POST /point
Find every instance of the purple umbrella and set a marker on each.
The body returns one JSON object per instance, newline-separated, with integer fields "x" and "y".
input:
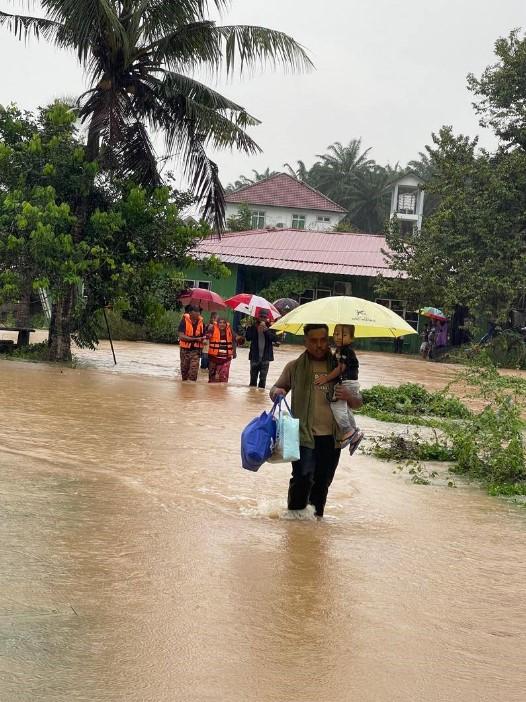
{"x": 286, "y": 304}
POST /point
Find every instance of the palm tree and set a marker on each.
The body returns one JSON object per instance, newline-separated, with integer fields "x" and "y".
{"x": 300, "y": 173}
{"x": 243, "y": 180}
{"x": 140, "y": 57}
{"x": 371, "y": 197}
{"x": 335, "y": 174}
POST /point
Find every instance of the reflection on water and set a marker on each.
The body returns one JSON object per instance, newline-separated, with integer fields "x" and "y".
{"x": 139, "y": 562}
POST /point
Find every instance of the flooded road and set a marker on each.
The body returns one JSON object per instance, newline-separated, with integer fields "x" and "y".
{"x": 140, "y": 563}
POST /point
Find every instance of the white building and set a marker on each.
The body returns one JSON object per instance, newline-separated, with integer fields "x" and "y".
{"x": 407, "y": 202}
{"x": 282, "y": 202}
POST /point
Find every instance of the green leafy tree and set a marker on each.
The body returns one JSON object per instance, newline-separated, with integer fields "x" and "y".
{"x": 131, "y": 234}
{"x": 289, "y": 285}
{"x": 472, "y": 249}
{"x": 242, "y": 221}
{"x": 141, "y": 57}
{"x": 501, "y": 91}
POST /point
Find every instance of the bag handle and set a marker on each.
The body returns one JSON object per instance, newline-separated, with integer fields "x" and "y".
{"x": 281, "y": 399}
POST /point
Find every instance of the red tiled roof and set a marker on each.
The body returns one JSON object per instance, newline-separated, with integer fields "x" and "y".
{"x": 301, "y": 250}
{"x": 282, "y": 190}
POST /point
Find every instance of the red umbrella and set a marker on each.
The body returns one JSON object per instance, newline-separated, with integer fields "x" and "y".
{"x": 253, "y": 305}
{"x": 205, "y": 299}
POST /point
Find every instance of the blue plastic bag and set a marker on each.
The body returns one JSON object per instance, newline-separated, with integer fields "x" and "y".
{"x": 287, "y": 446}
{"x": 258, "y": 439}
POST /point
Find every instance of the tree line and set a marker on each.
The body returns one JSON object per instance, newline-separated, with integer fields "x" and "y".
{"x": 471, "y": 250}
{"x": 83, "y": 215}
{"x": 349, "y": 176}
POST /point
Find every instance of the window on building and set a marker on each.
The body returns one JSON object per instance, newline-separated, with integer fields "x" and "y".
{"x": 258, "y": 219}
{"x": 203, "y": 284}
{"x": 342, "y": 287}
{"x": 314, "y": 294}
{"x": 322, "y": 292}
{"x": 400, "y": 307}
{"x": 406, "y": 200}
{"x": 298, "y": 221}
{"x": 407, "y": 228}
{"x": 307, "y": 296}
{"x": 325, "y": 220}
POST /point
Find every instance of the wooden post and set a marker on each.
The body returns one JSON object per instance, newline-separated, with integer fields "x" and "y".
{"x": 109, "y": 335}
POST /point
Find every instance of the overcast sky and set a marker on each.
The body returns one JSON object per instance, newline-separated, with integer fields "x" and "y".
{"x": 388, "y": 71}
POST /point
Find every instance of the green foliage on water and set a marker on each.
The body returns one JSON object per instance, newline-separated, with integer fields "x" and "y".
{"x": 411, "y": 401}
{"x": 487, "y": 446}
{"x": 32, "y": 352}
{"x": 506, "y": 350}
{"x": 405, "y": 448}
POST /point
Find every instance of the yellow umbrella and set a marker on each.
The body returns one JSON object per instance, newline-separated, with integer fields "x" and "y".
{"x": 369, "y": 318}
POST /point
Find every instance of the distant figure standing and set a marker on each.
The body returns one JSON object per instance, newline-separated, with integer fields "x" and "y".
{"x": 221, "y": 351}
{"x": 431, "y": 341}
{"x": 424, "y": 346}
{"x": 208, "y": 330}
{"x": 398, "y": 344}
{"x": 441, "y": 337}
{"x": 261, "y": 349}
{"x": 191, "y": 340}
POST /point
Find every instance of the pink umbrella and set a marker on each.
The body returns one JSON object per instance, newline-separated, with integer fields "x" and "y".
{"x": 205, "y": 299}
{"x": 246, "y": 303}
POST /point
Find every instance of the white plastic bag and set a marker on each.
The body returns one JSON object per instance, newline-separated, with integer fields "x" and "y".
{"x": 287, "y": 446}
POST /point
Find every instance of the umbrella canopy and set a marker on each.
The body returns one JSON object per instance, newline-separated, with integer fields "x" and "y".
{"x": 205, "y": 299}
{"x": 246, "y": 303}
{"x": 433, "y": 313}
{"x": 285, "y": 304}
{"x": 369, "y": 318}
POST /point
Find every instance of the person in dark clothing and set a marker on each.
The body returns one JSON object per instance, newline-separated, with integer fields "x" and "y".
{"x": 261, "y": 353}
{"x": 398, "y": 344}
{"x": 320, "y": 435}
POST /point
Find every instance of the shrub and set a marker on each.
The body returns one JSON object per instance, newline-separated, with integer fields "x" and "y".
{"x": 163, "y": 328}
{"x": 411, "y": 399}
{"x": 121, "y": 329}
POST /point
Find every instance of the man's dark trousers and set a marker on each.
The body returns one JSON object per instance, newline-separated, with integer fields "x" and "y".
{"x": 312, "y": 475}
{"x": 259, "y": 368}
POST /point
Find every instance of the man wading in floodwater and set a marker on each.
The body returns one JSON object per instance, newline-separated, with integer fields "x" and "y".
{"x": 319, "y": 433}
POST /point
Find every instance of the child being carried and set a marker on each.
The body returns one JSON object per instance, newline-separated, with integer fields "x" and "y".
{"x": 346, "y": 372}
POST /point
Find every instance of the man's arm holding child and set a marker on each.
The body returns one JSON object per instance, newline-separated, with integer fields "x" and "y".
{"x": 333, "y": 375}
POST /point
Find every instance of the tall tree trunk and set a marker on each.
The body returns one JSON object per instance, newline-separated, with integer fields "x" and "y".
{"x": 23, "y": 312}
{"x": 61, "y": 323}
{"x": 60, "y": 326}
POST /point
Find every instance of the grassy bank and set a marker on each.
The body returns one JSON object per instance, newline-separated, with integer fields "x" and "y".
{"x": 486, "y": 445}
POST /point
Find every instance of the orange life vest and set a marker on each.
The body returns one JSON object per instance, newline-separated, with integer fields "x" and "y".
{"x": 223, "y": 348}
{"x": 189, "y": 331}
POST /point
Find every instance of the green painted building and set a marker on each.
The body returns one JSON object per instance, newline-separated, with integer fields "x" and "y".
{"x": 337, "y": 263}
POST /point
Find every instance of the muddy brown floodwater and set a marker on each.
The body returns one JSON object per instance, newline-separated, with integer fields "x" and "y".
{"x": 139, "y": 562}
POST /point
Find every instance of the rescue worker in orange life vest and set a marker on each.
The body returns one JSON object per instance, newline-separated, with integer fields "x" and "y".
{"x": 222, "y": 350}
{"x": 191, "y": 340}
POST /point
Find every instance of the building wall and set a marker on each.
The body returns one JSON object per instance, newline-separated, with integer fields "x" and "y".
{"x": 226, "y": 287}
{"x": 284, "y": 216}
{"x": 253, "y": 279}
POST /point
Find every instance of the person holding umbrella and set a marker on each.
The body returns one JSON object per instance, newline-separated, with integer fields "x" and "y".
{"x": 261, "y": 353}
{"x": 191, "y": 340}
{"x": 320, "y": 435}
